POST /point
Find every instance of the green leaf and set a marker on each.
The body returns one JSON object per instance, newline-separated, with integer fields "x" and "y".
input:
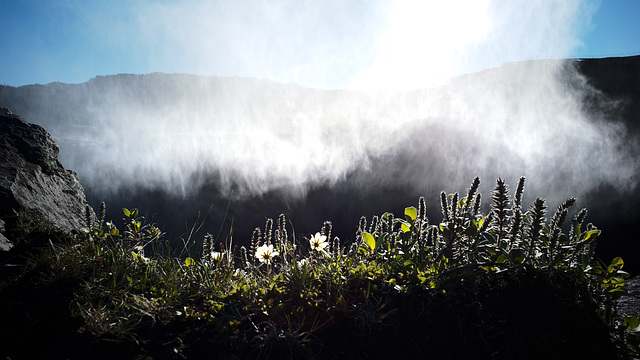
{"x": 369, "y": 240}
{"x": 563, "y": 239}
{"x": 126, "y": 212}
{"x": 471, "y": 231}
{"x": 544, "y": 238}
{"x": 623, "y": 274}
{"x": 618, "y": 262}
{"x": 489, "y": 237}
{"x": 423, "y": 279}
{"x": 589, "y": 234}
{"x": 620, "y": 290}
{"x": 576, "y": 228}
{"x": 584, "y": 260}
{"x": 408, "y": 262}
{"x": 189, "y": 261}
{"x": 596, "y": 269}
{"x": 517, "y": 256}
{"x": 632, "y": 322}
{"x": 462, "y": 202}
{"x": 404, "y": 224}
{"x": 411, "y": 213}
{"x": 381, "y": 239}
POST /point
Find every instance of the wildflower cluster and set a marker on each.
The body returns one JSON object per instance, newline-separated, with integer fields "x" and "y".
{"x": 281, "y": 290}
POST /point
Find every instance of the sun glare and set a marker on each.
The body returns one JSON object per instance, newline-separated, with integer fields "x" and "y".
{"x": 425, "y": 44}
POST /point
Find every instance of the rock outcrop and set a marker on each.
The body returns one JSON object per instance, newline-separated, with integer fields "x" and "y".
{"x": 629, "y": 304}
{"x": 32, "y": 179}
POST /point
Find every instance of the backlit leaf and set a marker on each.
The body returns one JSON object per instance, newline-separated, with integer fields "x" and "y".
{"x": 618, "y": 262}
{"x": 591, "y": 233}
{"x": 369, "y": 240}
{"x": 411, "y": 213}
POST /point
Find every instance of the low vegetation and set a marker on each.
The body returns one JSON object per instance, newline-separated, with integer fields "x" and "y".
{"x": 499, "y": 285}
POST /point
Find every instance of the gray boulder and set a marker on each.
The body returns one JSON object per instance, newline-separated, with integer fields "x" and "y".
{"x": 629, "y": 304}
{"x": 5, "y": 244}
{"x": 32, "y": 179}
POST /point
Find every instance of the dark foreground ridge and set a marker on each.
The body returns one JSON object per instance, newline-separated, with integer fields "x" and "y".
{"x": 524, "y": 315}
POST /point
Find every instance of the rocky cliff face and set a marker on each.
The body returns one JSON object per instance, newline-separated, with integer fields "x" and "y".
{"x": 32, "y": 179}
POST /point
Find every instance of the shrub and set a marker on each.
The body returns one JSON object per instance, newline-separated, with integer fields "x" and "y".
{"x": 400, "y": 279}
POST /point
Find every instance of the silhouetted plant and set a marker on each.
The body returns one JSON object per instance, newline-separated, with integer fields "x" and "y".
{"x": 278, "y": 294}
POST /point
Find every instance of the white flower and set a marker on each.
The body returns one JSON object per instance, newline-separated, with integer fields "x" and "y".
{"x": 239, "y": 273}
{"x": 318, "y": 242}
{"x": 302, "y": 263}
{"x": 265, "y": 253}
{"x": 216, "y": 255}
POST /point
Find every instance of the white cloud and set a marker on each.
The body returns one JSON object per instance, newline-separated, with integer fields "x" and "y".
{"x": 428, "y": 42}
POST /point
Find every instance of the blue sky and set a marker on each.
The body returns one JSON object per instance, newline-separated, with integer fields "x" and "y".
{"x": 359, "y": 44}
